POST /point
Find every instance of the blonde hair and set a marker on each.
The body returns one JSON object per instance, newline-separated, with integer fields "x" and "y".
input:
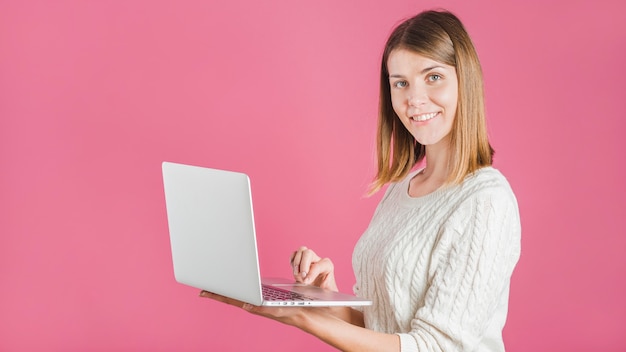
{"x": 440, "y": 36}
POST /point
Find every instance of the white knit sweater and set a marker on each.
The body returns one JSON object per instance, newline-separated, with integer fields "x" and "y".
{"x": 438, "y": 267}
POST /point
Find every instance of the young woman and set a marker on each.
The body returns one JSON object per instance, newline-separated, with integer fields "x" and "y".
{"x": 437, "y": 257}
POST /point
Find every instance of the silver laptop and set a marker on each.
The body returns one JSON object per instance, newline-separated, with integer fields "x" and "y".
{"x": 213, "y": 240}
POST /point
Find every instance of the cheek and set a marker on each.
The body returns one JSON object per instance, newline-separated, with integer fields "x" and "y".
{"x": 398, "y": 104}
{"x": 446, "y": 97}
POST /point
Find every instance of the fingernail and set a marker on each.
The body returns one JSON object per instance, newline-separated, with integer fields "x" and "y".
{"x": 303, "y": 274}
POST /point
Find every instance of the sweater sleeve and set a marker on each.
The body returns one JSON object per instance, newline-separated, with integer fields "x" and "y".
{"x": 478, "y": 247}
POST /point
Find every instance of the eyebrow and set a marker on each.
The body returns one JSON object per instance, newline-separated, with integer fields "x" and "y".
{"x": 421, "y": 72}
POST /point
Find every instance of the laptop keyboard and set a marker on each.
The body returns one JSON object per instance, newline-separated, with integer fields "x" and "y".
{"x": 275, "y": 294}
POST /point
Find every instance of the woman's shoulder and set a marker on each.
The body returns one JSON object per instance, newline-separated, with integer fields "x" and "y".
{"x": 487, "y": 181}
{"x": 487, "y": 175}
{"x": 487, "y": 189}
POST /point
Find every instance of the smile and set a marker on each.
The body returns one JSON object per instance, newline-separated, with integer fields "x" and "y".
{"x": 424, "y": 117}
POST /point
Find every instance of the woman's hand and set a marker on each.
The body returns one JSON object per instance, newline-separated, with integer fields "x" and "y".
{"x": 341, "y": 331}
{"x": 341, "y": 327}
{"x": 310, "y": 269}
{"x": 286, "y": 315}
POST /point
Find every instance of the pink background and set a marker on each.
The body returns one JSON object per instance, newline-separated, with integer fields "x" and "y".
{"x": 95, "y": 94}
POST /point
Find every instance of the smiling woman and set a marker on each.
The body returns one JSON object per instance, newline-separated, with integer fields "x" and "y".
{"x": 438, "y": 49}
{"x": 94, "y": 95}
{"x": 424, "y": 95}
{"x": 438, "y": 255}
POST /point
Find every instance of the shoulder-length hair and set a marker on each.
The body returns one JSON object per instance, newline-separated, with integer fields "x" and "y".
{"x": 439, "y": 36}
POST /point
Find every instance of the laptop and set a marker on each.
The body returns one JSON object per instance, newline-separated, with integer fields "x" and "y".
{"x": 213, "y": 241}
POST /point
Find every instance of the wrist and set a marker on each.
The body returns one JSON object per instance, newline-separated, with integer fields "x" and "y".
{"x": 307, "y": 318}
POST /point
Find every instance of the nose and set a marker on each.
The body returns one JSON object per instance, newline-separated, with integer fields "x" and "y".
{"x": 416, "y": 97}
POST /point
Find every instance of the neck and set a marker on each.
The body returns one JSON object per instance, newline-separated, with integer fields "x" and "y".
{"x": 434, "y": 175}
{"x": 437, "y": 162}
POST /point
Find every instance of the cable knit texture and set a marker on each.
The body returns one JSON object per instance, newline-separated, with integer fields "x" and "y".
{"x": 438, "y": 267}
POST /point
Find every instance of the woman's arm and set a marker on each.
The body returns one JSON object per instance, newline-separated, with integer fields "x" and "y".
{"x": 341, "y": 334}
{"x": 349, "y": 315}
{"x": 331, "y": 325}
{"x": 340, "y": 327}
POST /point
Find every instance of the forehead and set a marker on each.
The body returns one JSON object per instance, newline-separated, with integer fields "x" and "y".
{"x": 403, "y": 61}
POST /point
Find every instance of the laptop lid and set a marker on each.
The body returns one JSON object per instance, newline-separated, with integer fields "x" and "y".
{"x": 212, "y": 231}
{"x": 213, "y": 239}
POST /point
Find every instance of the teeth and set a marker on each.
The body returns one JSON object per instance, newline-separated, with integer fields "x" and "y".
{"x": 424, "y": 117}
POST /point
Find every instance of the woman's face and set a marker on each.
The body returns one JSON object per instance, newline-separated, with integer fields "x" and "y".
{"x": 424, "y": 95}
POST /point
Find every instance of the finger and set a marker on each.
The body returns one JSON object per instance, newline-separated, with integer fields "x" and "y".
{"x": 295, "y": 261}
{"x": 248, "y": 307}
{"x": 319, "y": 272}
{"x": 223, "y": 299}
{"x": 308, "y": 258}
{"x": 292, "y": 257}
{"x": 296, "y": 254}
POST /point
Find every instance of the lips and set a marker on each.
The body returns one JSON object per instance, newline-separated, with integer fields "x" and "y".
{"x": 424, "y": 117}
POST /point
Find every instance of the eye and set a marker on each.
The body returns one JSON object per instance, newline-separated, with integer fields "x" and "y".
{"x": 434, "y": 77}
{"x": 400, "y": 84}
